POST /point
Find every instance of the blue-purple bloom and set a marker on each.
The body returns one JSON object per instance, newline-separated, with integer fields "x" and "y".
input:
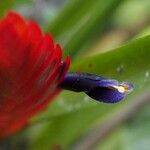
{"x": 98, "y": 88}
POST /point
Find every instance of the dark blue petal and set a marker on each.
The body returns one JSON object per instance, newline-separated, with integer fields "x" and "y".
{"x": 110, "y": 91}
{"x": 106, "y": 95}
{"x": 98, "y": 88}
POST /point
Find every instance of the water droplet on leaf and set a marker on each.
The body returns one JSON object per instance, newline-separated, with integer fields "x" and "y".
{"x": 147, "y": 74}
{"x": 120, "y": 69}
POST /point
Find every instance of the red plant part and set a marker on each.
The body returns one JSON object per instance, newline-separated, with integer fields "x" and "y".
{"x": 31, "y": 68}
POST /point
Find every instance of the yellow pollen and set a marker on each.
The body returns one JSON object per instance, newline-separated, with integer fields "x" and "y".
{"x": 121, "y": 88}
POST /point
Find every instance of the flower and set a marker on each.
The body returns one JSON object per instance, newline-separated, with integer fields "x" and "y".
{"x": 31, "y": 68}
{"x": 98, "y": 88}
{"x": 32, "y": 73}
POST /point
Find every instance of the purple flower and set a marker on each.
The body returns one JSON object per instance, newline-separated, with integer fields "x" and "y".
{"x": 98, "y": 88}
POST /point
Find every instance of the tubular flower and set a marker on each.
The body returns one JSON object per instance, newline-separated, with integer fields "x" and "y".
{"x": 98, "y": 88}
{"x": 31, "y": 68}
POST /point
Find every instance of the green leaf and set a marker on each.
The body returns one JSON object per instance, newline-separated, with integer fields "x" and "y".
{"x": 133, "y": 135}
{"x": 64, "y": 129}
{"x": 8, "y": 4}
{"x": 79, "y": 21}
{"x": 4, "y": 5}
{"x": 120, "y": 63}
{"x": 145, "y": 32}
{"x": 136, "y": 133}
{"x": 130, "y": 62}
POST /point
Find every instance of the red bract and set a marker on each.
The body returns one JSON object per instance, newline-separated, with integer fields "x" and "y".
{"x": 31, "y": 68}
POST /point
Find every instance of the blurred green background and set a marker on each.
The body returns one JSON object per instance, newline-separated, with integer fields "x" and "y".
{"x": 109, "y": 38}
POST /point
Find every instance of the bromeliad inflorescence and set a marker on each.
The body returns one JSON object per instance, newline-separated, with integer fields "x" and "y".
{"x": 32, "y": 73}
{"x": 31, "y": 69}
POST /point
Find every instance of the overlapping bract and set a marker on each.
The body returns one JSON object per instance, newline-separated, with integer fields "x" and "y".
{"x": 31, "y": 68}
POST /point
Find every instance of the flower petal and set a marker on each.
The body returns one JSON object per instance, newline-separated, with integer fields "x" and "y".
{"x": 98, "y": 88}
